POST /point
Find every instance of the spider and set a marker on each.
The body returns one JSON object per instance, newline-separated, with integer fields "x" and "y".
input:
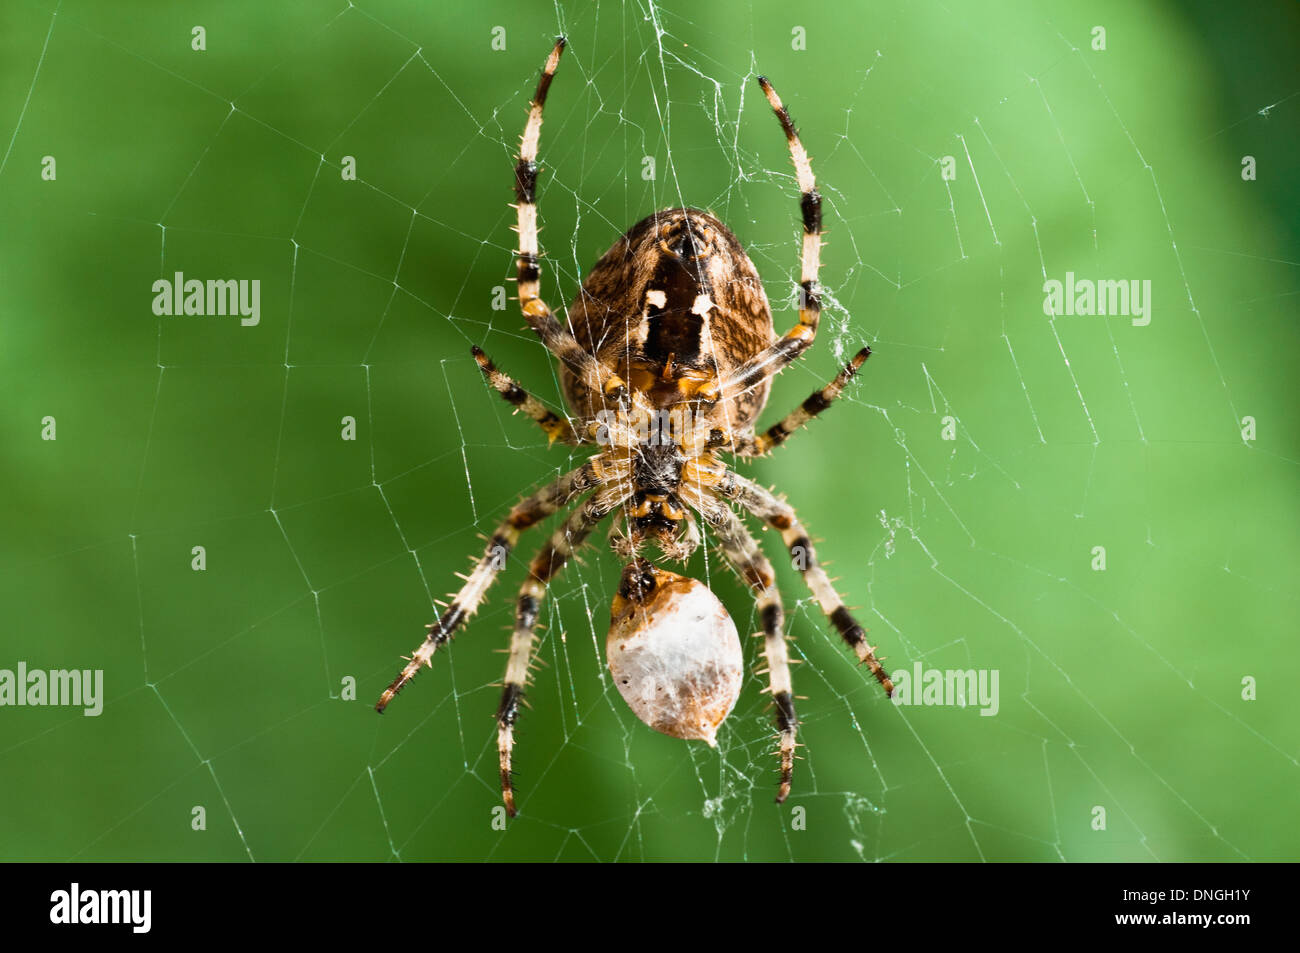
{"x": 666, "y": 361}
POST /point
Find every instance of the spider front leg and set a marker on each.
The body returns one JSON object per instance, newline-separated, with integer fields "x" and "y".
{"x": 545, "y": 566}
{"x": 743, "y": 553}
{"x": 527, "y": 513}
{"x": 556, "y": 427}
{"x": 776, "y": 357}
{"x": 818, "y": 400}
{"x": 557, "y": 339}
{"x": 780, "y": 515}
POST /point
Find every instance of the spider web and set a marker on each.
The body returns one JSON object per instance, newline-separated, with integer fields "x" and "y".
{"x": 227, "y": 688}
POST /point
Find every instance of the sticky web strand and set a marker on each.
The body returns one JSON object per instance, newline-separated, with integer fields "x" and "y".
{"x": 741, "y": 776}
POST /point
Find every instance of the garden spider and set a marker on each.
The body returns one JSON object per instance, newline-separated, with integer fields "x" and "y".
{"x": 666, "y": 361}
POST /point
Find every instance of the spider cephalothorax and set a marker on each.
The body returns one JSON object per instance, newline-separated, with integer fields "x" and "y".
{"x": 667, "y": 358}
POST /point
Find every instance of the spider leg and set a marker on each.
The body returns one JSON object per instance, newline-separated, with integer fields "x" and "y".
{"x": 780, "y": 515}
{"x": 557, "y": 339}
{"x": 545, "y": 566}
{"x": 526, "y": 513}
{"x": 818, "y": 400}
{"x": 742, "y": 551}
{"x": 556, "y": 427}
{"x": 774, "y": 358}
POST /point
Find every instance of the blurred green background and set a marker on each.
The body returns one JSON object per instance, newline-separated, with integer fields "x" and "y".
{"x": 1120, "y": 689}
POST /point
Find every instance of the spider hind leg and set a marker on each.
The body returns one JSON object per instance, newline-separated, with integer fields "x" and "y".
{"x": 777, "y": 356}
{"x": 555, "y": 336}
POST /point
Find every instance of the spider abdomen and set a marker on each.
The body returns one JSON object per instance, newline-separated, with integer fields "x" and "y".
{"x": 673, "y": 306}
{"x": 674, "y": 653}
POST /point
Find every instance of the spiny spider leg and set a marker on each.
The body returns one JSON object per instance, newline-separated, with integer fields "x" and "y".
{"x": 799, "y": 338}
{"x": 818, "y": 400}
{"x": 545, "y": 566}
{"x": 558, "y": 340}
{"x": 556, "y": 427}
{"x": 526, "y": 513}
{"x": 742, "y": 551}
{"x": 780, "y": 515}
